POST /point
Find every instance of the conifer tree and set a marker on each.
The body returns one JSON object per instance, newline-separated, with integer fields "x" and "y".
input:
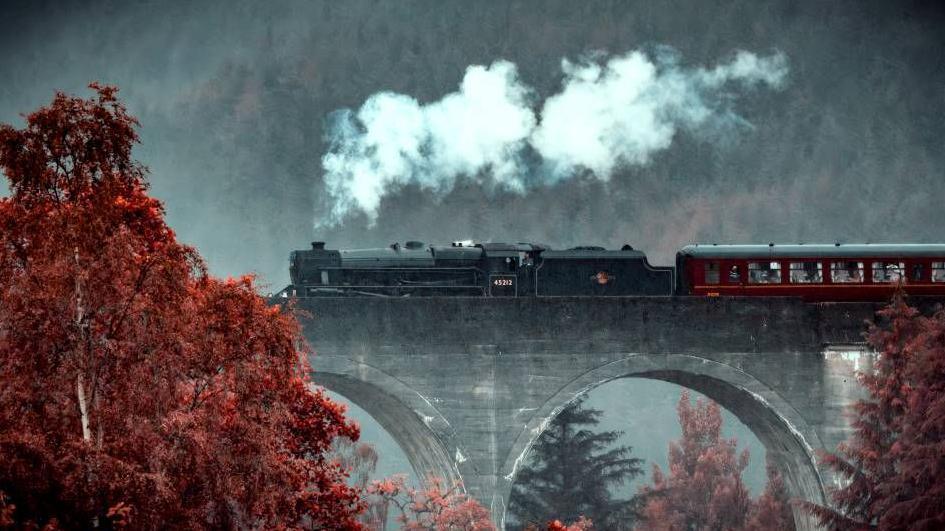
{"x": 894, "y": 461}
{"x": 572, "y": 471}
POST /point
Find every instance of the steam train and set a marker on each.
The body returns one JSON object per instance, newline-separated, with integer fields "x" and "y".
{"x": 849, "y": 272}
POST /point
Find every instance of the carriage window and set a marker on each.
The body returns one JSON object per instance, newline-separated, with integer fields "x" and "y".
{"x": 918, "y": 273}
{"x": 807, "y": 272}
{"x": 888, "y": 271}
{"x": 711, "y": 272}
{"x": 938, "y": 271}
{"x": 734, "y": 275}
{"x": 764, "y": 273}
{"x": 846, "y": 272}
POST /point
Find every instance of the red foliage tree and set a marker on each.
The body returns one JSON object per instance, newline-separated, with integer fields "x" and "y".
{"x": 581, "y": 524}
{"x": 360, "y": 460}
{"x": 435, "y": 507}
{"x": 771, "y": 510}
{"x": 704, "y": 489}
{"x": 134, "y": 388}
{"x": 895, "y": 461}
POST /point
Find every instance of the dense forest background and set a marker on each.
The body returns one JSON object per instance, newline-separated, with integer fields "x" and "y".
{"x": 233, "y": 98}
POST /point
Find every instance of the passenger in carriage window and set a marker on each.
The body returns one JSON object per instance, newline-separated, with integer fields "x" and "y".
{"x": 733, "y": 275}
{"x": 938, "y": 271}
{"x": 887, "y": 271}
{"x": 764, "y": 273}
{"x": 855, "y": 272}
{"x": 806, "y": 272}
{"x": 846, "y": 272}
{"x": 894, "y": 272}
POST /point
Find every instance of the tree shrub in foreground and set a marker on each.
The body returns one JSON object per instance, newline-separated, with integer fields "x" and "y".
{"x": 135, "y": 389}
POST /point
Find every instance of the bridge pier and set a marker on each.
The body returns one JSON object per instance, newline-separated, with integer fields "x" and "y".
{"x": 466, "y": 386}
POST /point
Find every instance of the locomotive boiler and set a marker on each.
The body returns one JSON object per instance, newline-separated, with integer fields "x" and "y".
{"x": 475, "y": 269}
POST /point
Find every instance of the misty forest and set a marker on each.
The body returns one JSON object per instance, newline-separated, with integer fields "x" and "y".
{"x": 494, "y": 314}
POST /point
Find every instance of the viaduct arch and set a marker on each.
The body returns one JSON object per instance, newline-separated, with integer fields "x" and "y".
{"x": 402, "y": 412}
{"x": 465, "y": 386}
{"x": 787, "y": 437}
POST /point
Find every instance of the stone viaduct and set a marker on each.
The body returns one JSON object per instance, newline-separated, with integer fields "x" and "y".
{"x": 466, "y": 385}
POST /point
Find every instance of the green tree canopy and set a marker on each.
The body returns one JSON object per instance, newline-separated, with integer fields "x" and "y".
{"x": 572, "y": 471}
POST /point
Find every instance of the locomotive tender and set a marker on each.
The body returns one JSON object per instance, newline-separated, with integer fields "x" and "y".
{"x": 851, "y": 272}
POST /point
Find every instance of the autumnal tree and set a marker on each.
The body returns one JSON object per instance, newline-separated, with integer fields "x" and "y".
{"x": 582, "y": 524}
{"x": 360, "y": 460}
{"x": 6, "y": 511}
{"x": 772, "y": 510}
{"x": 436, "y": 506}
{"x": 704, "y": 488}
{"x": 895, "y": 460}
{"x": 135, "y": 389}
{"x": 571, "y": 471}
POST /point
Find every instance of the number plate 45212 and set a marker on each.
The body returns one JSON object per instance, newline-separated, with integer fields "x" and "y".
{"x": 502, "y": 286}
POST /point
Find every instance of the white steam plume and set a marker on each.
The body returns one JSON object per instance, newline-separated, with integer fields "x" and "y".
{"x": 606, "y": 115}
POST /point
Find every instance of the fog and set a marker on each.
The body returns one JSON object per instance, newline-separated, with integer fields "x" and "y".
{"x": 828, "y": 126}
{"x": 234, "y": 99}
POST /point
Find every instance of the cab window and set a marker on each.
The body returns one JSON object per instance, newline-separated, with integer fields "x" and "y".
{"x": 764, "y": 273}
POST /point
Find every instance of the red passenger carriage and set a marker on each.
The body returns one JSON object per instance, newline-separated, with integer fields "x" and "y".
{"x": 850, "y": 272}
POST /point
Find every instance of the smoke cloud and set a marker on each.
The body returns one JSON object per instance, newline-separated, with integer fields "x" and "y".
{"x": 609, "y": 113}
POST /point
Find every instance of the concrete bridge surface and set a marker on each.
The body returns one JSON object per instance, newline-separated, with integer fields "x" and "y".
{"x": 466, "y": 385}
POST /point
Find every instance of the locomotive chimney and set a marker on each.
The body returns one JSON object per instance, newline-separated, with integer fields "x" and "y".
{"x": 318, "y": 246}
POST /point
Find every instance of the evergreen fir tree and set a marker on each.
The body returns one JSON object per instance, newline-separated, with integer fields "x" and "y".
{"x": 572, "y": 471}
{"x": 894, "y": 460}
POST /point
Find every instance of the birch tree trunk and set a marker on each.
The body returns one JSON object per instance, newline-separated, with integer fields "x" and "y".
{"x": 80, "y": 380}
{"x": 83, "y": 407}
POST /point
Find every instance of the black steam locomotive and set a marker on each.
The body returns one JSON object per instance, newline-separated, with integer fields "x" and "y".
{"x": 474, "y": 269}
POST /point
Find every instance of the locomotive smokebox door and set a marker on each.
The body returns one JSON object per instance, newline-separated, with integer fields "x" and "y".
{"x": 502, "y": 286}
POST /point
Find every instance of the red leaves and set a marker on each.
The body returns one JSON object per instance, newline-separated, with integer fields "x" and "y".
{"x": 582, "y": 524}
{"x": 771, "y": 510}
{"x": 6, "y": 511}
{"x": 435, "y": 507}
{"x": 895, "y": 461}
{"x": 194, "y": 391}
{"x": 704, "y": 488}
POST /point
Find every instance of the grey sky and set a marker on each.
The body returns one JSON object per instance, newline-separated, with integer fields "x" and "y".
{"x": 233, "y": 96}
